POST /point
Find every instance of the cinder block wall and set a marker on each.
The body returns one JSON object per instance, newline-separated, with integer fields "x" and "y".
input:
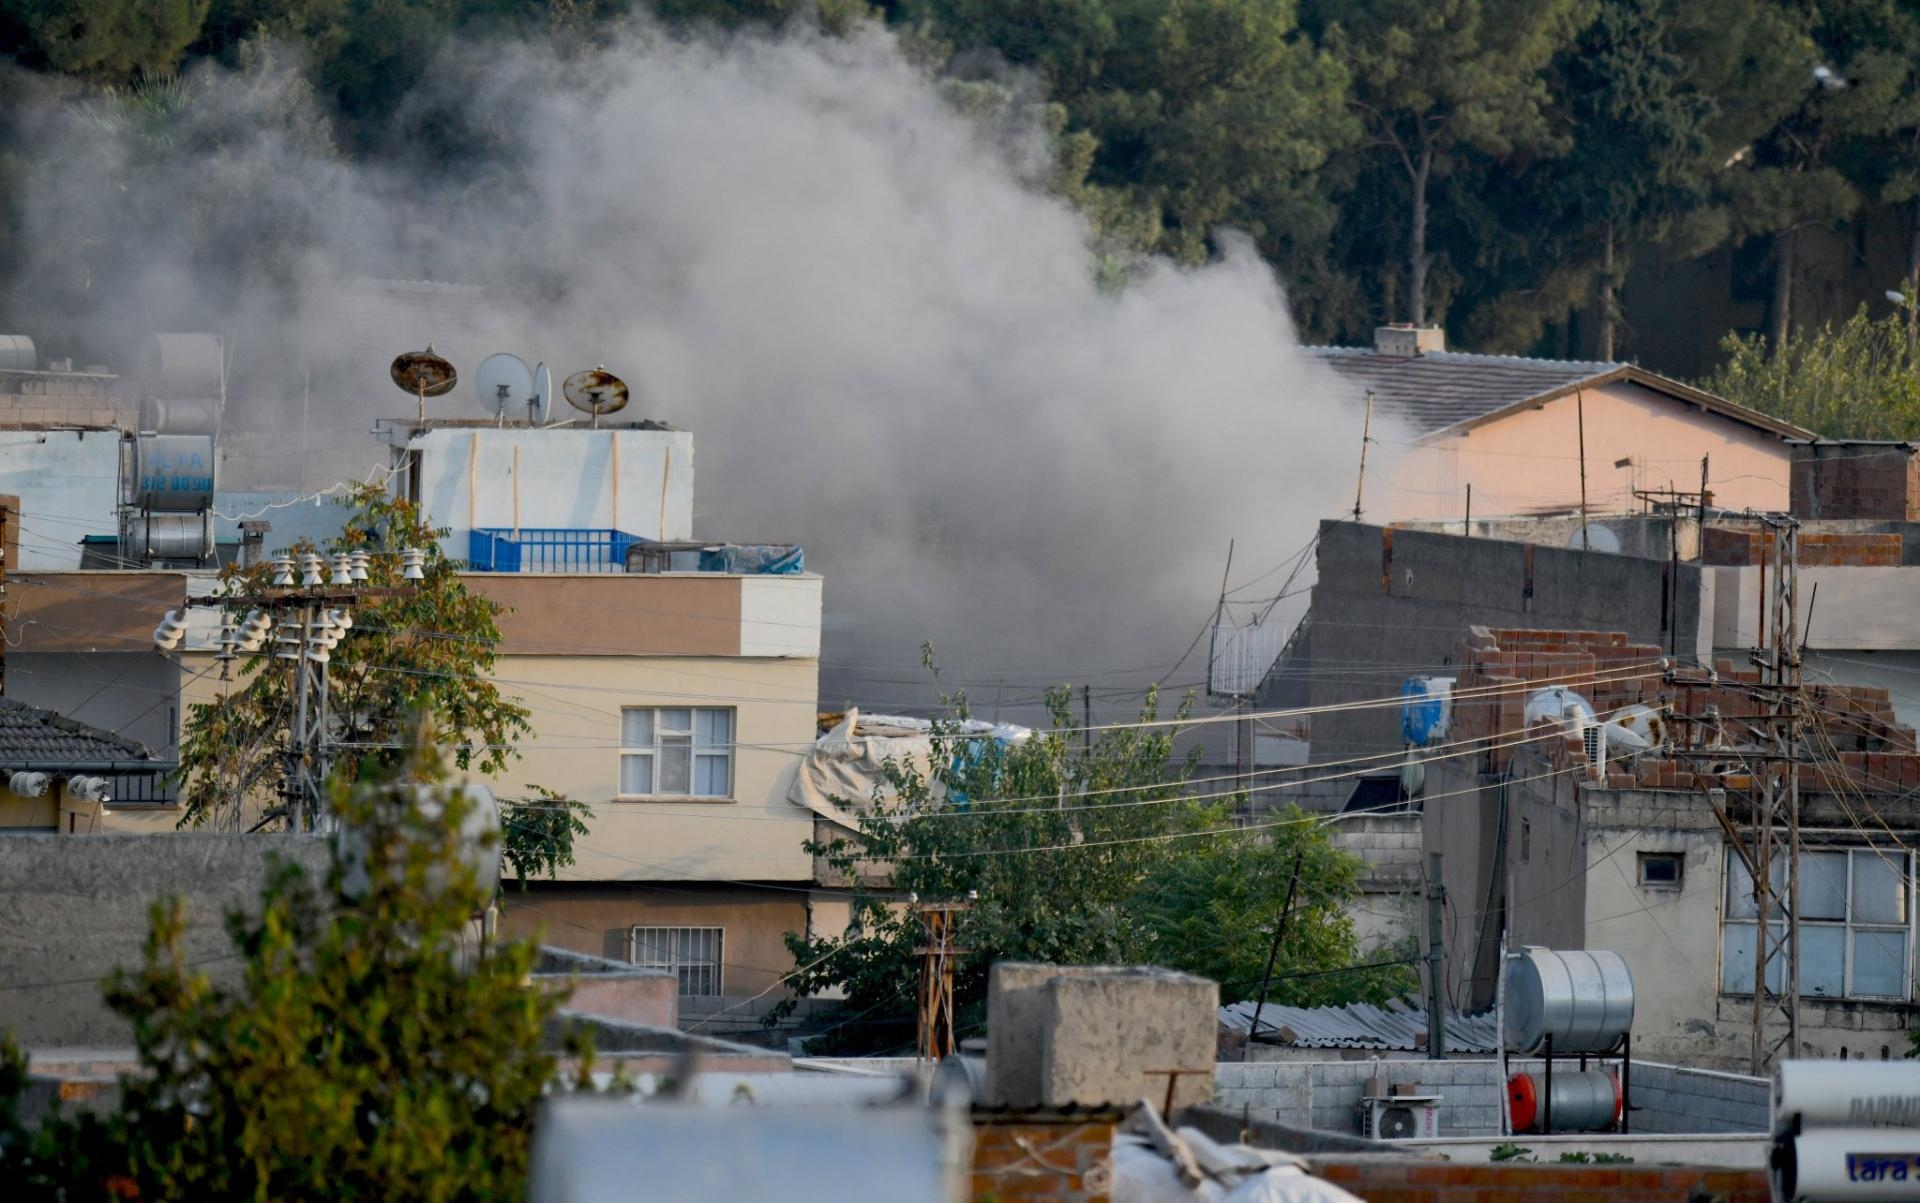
{"x": 1323, "y": 1095}
{"x": 74, "y": 908}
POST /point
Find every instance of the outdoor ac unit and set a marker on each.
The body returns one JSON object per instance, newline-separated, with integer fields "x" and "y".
{"x": 1408, "y": 1117}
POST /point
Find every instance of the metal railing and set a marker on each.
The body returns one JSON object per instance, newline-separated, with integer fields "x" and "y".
{"x": 549, "y": 549}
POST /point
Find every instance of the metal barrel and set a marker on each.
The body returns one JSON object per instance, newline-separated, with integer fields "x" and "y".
{"x": 1584, "y": 1000}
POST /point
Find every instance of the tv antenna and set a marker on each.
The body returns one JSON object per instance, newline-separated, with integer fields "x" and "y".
{"x": 540, "y": 403}
{"x": 424, "y": 374}
{"x": 504, "y": 382}
{"x": 596, "y": 391}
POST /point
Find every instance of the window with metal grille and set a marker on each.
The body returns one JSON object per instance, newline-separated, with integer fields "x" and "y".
{"x": 1855, "y": 925}
{"x": 691, "y": 953}
{"x": 676, "y": 751}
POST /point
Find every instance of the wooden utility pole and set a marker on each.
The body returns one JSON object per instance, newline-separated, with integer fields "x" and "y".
{"x": 937, "y": 955}
{"x": 1366, "y": 436}
{"x": 1273, "y": 951}
{"x": 1436, "y": 961}
{"x": 1580, "y": 420}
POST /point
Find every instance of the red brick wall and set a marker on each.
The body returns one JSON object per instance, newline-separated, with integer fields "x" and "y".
{"x": 1386, "y": 1179}
{"x": 1733, "y": 546}
{"x": 1855, "y": 483}
{"x": 1036, "y": 1161}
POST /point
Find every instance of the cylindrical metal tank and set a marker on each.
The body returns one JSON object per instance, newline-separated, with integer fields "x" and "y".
{"x": 178, "y": 366}
{"x": 1583, "y": 999}
{"x": 1808, "y": 1093}
{"x": 1584, "y": 1100}
{"x": 17, "y": 354}
{"x": 198, "y": 415}
{"x": 1834, "y": 1164}
{"x": 172, "y": 472}
{"x": 169, "y": 537}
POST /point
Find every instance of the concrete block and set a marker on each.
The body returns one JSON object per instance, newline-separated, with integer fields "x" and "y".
{"x": 1094, "y": 1035}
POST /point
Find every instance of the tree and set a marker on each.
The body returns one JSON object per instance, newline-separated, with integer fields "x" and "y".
{"x": 109, "y": 41}
{"x": 363, "y": 1053}
{"x": 426, "y": 649}
{"x": 1859, "y": 380}
{"x": 1433, "y": 77}
{"x": 1072, "y": 853}
{"x": 1203, "y": 113}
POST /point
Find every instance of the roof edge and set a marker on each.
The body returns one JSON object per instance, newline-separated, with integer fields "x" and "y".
{"x": 1634, "y": 374}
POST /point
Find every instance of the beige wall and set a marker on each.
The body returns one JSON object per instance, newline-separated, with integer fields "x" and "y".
{"x": 1529, "y": 462}
{"x": 597, "y": 919}
{"x": 756, "y": 835}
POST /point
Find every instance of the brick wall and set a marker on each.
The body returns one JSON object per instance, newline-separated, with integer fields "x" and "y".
{"x": 1741, "y": 546}
{"x": 1843, "y": 481}
{"x": 1042, "y": 1161}
{"x": 92, "y": 409}
{"x": 1387, "y": 1179}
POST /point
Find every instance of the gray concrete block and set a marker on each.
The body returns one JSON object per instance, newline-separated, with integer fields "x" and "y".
{"x": 1091, "y": 1035}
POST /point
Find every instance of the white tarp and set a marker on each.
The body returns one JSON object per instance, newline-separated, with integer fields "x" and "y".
{"x": 1154, "y": 1164}
{"x": 845, "y": 770}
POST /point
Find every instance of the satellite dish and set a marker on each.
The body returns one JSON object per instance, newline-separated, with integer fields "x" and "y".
{"x": 423, "y": 374}
{"x": 596, "y": 391}
{"x": 1599, "y": 538}
{"x": 503, "y": 383}
{"x": 540, "y": 404}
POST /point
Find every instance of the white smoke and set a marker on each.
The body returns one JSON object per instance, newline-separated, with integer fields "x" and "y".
{"x": 887, "y": 339}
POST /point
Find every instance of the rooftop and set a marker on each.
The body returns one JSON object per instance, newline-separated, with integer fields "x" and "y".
{"x": 31, "y": 738}
{"x": 1443, "y": 390}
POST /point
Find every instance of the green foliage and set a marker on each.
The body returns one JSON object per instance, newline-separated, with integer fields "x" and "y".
{"x": 363, "y": 1053}
{"x": 1860, "y": 379}
{"x": 1072, "y": 855}
{"x": 1510, "y": 1152}
{"x": 428, "y": 648}
{"x": 112, "y": 41}
{"x": 536, "y": 836}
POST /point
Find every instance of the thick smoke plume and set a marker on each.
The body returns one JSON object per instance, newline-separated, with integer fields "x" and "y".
{"x": 886, "y": 337}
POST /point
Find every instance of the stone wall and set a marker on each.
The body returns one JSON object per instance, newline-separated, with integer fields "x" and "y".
{"x": 74, "y": 908}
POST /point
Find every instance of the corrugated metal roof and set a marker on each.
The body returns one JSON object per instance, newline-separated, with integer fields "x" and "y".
{"x": 1397, "y": 1027}
{"x": 1444, "y": 388}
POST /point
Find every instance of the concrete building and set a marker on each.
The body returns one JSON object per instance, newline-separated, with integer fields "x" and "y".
{"x": 1645, "y": 857}
{"x": 1516, "y": 431}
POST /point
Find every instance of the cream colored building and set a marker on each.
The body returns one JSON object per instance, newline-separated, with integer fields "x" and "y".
{"x": 1516, "y": 432}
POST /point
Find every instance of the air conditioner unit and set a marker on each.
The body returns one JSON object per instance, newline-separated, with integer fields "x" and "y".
{"x": 1407, "y": 1117}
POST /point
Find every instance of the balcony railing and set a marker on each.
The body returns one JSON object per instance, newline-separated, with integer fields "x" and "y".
{"x": 605, "y": 550}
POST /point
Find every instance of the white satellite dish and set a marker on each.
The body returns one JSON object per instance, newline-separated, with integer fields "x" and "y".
{"x": 503, "y": 383}
{"x": 1598, "y": 538}
{"x": 540, "y": 404}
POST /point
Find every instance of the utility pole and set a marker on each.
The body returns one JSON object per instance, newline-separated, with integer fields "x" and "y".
{"x": 1366, "y": 436}
{"x": 1775, "y": 836}
{"x": 1436, "y": 961}
{"x": 1273, "y": 950}
{"x": 935, "y": 1039}
{"x": 1580, "y": 420}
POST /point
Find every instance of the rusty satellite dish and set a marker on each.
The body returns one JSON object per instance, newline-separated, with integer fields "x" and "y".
{"x": 596, "y": 391}
{"x": 423, "y": 374}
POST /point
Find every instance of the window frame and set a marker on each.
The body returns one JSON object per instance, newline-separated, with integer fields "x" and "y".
{"x": 1847, "y": 925}
{"x": 716, "y": 968}
{"x": 663, "y": 738}
{"x": 1679, "y": 860}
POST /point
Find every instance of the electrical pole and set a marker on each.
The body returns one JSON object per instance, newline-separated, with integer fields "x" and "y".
{"x": 935, "y": 1039}
{"x": 1436, "y": 960}
{"x": 1366, "y": 436}
{"x": 1775, "y": 837}
{"x": 1273, "y": 950}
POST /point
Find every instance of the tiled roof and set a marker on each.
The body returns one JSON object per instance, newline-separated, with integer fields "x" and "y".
{"x": 1443, "y": 388}
{"x": 41, "y": 739}
{"x": 1396, "y": 1027}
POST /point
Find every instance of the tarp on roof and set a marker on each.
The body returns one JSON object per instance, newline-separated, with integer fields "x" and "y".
{"x": 845, "y": 770}
{"x": 1397, "y": 1027}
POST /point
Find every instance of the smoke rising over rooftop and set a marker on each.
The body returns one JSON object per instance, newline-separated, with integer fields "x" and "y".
{"x": 885, "y": 336}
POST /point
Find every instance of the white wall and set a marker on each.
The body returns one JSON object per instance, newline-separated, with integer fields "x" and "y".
{"x": 638, "y": 481}
{"x": 68, "y": 483}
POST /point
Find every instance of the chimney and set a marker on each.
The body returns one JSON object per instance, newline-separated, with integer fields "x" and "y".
{"x": 253, "y": 540}
{"x": 1406, "y": 341}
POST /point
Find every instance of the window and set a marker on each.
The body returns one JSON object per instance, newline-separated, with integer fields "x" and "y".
{"x": 1526, "y": 841}
{"x": 1855, "y": 916}
{"x": 691, "y": 953}
{"x": 676, "y": 752}
{"x": 1662, "y": 870}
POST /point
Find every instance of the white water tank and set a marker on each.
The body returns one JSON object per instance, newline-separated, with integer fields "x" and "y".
{"x": 1584, "y": 1000}
{"x": 17, "y": 354}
